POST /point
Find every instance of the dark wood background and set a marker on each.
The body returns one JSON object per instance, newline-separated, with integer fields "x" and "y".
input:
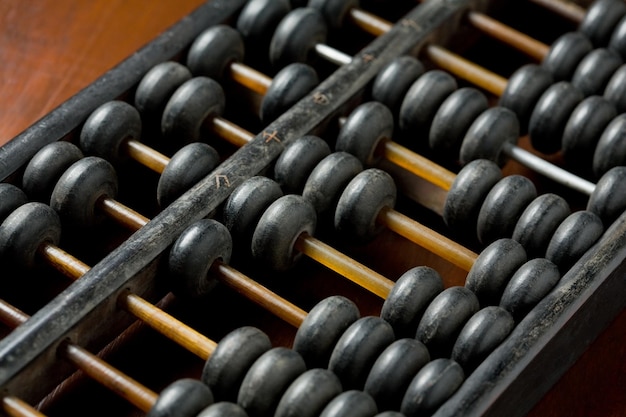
{"x": 50, "y": 49}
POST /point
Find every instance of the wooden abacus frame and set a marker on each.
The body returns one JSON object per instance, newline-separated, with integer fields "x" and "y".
{"x": 510, "y": 381}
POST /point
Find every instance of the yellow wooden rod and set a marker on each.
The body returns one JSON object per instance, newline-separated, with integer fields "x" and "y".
{"x": 146, "y": 155}
{"x": 250, "y": 78}
{"x": 15, "y": 407}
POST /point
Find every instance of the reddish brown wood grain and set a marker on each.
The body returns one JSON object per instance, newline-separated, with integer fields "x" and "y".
{"x": 50, "y": 49}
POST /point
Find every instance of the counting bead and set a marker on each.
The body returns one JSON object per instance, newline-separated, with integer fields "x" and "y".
{"x": 295, "y": 163}
{"x": 214, "y": 50}
{"x": 328, "y": 179}
{"x": 223, "y": 409}
{"x": 191, "y": 104}
{"x": 524, "y": 90}
{"x": 444, "y": 318}
{"x": 234, "y": 355}
{"x": 296, "y": 35}
{"x": 185, "y": 397}
{"x": 334, "y": 11}
{"x": 600, "y": 20}
{"x": 618, "y": 38}
{"x": 433, "y": 385}
{"x": 548, "y": 119}
{"x": 528, "y": 286}
{"x": 393, "y": 371}
{"x": 583, "y": 130}
{"x": 245, "y": 204}
{"x": 186, "y": 167}
{"x": 488, "y": 135}
{"x": 80, "y": 187}
{"x": 390, "y": 414}
{"x": 468, "y": 191}
{"x": 257, "y": 19}
{"x": 615, "y": 90}
{"x": 573, "y": 237}
{"x": 351, "y": 404}
{"x": 409, "y": 297}
{"x": 309, "y": 394}
{"x": 537, "y": 224}
{"x": 11, "y": 197}
{"x": 365, "y": 128}
{"x": 565, "y": 54}
{"x": 608, "y": 199}
{"x": 493, "y": 268}
{"x": 394, "y": 80}
{"x": 321, "y": 329}
{"x": 288, "y": 86}
{"x": 610, "y": 150}
{"x": 595, "y": 70}
{"x": 156, "y": 87}
{"x": 503, "y": 206}
{"x": 454, "y": 118}
{"x": 421, "y": 102}
{"x": 357, "y": 350}
{"x": 278, "y": 228}
{"x": 482, "y": 333}
{"x": 107, "y": 127}
{"x": 46, "y": 167}
{"x": 25, "y": 230}
{"x": 361, "y": 202}
{"x": 268, "y": 378}
{"x": 193, "y": 253}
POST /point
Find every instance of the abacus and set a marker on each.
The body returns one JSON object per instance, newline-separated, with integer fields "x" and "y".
{"x": 344, "y": 168}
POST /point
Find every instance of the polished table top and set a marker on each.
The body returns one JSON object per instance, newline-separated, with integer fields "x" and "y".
{"x": 50, "y": 49}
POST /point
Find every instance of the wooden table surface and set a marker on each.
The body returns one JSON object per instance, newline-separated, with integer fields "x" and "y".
{"x": 50, "y": 49}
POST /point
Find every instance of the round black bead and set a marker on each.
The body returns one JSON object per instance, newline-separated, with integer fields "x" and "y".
{"x": 600, "y": 20}
{"x": 608, "y": 199}
{"x": 444, "y": 318}
{"x": 268, "y": 378}
{"x": 409, "y": 297}
{"x": 615, "y": 90}
{"x": 183, "y": 398}
{"x": 393, "y": 371}
{"x": 537, "y": 224}
{"x": 503, "y": 207}
{"x": 565, "y": 54}
{"x": 296, "y": 36}
{"x": 223, "y": 409}
{"x": 528, "y": 286}
{"x": 548, "y": 119}
{"x": 357, "y": 350}
{"x": 212, "y": 52}
{"x": 482, "y": 333}
{"x": 431, "y": 387}
{"x": 193, "y": 254}
{"x": 394, "y": 80}
{"x": 321, "y": 329}
{"x": 232, "y": 358}
{"x": 351, "y": 404}
{"x": 583, "y": 130}
{"x": 334, "y": 11}
{"x": 493, "y": 269}
{"x": 11, "y": 197}
{"x": 308, "y": 394}
{"x": 453, "y": 119}
{"x": 610, "y": 150}
{"x": 618, "y": 38}
{"x": 288, "y": 86}
{"x": 295, "y": 163}
{"x": 576, "y": 234}
{"x": 486, "y": 138}
{"x": 256, "y": 23}
{"x": 421, "y": 102}
{"x": 595, "y": 70}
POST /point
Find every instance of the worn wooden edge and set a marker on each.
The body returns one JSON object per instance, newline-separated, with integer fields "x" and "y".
{"x": 112, "y": 84}
{"x": 551, "y": 337}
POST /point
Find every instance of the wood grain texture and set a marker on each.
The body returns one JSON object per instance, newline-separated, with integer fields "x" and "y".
{"x": 50, "y": 49}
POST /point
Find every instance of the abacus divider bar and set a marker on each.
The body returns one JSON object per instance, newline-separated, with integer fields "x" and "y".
{"x": 93, "y": 366}
{"x": 344, "y": 265}
{"x": 15, "y": 407}
{"x": 249, "y": 77}
{"x": 126, "y": 387}
{"x": 260, "y": 295}
{"x": 418, "y": 165}
{"x": 566, "y": 9}
{"x": 427, "y": 238}
{"x": 112, "y": 84}
{"x": 548, "y": 169}
{"x": 167, "y": 325}
{"x": 145, "y": 155}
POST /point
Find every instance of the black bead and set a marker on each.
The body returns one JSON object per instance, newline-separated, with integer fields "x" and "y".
{"x": 610, "y": 150}
{"x": 351, "y": 403}
{"x": 576, "y": 234}
{"x": 618, "y": 38}
{"x": 334, "y": 11}
{"x": 11, "y": 197}
{"x": 308, "y": 394}
{"x": 183, "y": 398}
{"x": 295, "y": 163}
{"x": 565, "y": 54}
{"x": 595, "y": 70}
{"x": 600, "y": 20}
{"x": 256, "y": 23}
{"x": 223, "y": 409}
{"x": 212, "y": 52}
{"x": 394, "y": 80}
{"x": 608, "y": 199}
{"x": 296, "y": 35}
{"x": 615, "y": 90}
{"x": 288, "y": 86}
{"x": 486, "y": 138}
